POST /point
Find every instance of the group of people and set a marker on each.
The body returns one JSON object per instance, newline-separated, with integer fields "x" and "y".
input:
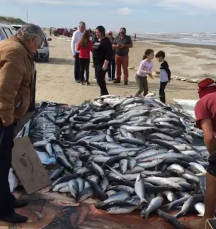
{"x": 109, "y": 55}
{"x": 16, "y": 64}
{"x": 145, "y": 70}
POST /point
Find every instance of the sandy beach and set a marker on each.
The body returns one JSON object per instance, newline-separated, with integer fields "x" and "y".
{"x": 55, "y": 81}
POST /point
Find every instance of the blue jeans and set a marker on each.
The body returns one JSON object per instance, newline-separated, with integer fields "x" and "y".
{"x": 111, "y": 69}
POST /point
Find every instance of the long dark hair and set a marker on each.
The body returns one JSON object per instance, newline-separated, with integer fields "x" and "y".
{"x": 85, "y": 39}
{"x": 102, "y": 30}
{"x": 147, "y": 53}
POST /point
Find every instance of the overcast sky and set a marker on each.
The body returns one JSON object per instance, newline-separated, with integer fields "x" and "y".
{"x": 136, "y": 15}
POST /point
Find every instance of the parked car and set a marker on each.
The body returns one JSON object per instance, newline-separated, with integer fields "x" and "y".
{"x": 5, "y": 32}
{"x": 42, "y": 53}
{"x": 64, "y": 32}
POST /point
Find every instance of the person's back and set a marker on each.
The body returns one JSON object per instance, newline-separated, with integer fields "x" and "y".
{"x": 84, "y": 47}
{"x": 84, "y": 52}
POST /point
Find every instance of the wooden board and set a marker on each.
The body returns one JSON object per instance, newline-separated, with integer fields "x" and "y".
{"x": 210, "y": 224}
{"x": 28, "y": 166}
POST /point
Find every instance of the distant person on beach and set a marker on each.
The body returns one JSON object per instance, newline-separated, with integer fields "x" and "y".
{"x": 165, "y": 75}
{"x": 84, "y": 47}
{"x": 111, "y": 66}
{"x": 145, "y": 69}
{"x": 50, "y": 31}
{"x": 102, "y": 55}
{"x": 134, "y": 35}
{"x": 122, "y": 44}
{"x": 75, "y": 39}
{"x": 205, "y": 111}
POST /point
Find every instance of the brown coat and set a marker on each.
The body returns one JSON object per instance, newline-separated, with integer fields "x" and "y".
{"x": 16, "y": 64}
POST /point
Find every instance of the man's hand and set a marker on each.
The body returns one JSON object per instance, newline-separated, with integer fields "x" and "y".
{"x": 74, "y": 56}
{"x": 104, "y": 67}
{"x": 116, "y": 46}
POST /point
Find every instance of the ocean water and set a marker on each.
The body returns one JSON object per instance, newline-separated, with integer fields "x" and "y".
{"x": 185, "y": 38}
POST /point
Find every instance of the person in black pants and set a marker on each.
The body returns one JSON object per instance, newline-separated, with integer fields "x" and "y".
{"x": 77, "y": 35}
{"x": 102, "y": 54}
{"x": 165, "y": 75}
{"x": 111, "y": 65}
{"x": 16, "y": 55}
{"x": 84, "y": 68}
{"x": 84, "y": 47}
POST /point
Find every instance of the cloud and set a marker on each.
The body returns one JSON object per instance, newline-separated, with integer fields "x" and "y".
{"x": 64, "y": 2}
{"x": 125, "y": 11}
{"x": 188, "y": 5}
{"x": 78, "y": 2}
{"x": 201, "y": 6}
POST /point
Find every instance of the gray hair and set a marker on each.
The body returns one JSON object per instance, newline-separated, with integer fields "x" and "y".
{"x": 28, "y": 31}
{"x": 82, "y": 23}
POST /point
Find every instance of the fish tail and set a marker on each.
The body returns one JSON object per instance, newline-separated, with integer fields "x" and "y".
{"x": 146, "y": 215}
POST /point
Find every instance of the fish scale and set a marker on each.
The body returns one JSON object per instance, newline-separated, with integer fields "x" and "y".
{"x": 125, "y": 151}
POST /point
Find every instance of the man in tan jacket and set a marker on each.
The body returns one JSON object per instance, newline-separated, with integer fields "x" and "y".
{"x": 16, "y": 62}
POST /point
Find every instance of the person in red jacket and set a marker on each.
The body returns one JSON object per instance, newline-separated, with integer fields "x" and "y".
{"x": 84, "y": 47}
{"x": 205, "y": 112}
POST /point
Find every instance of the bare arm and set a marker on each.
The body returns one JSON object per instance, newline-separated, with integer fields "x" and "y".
{"x": 128, "y": 46}
{"x": 209, "y": 138}
{"x": 73, "y": 41}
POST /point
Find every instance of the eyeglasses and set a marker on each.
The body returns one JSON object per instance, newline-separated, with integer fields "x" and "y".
{"x": 110, "y": 34}
{"x": 122, "y": 32}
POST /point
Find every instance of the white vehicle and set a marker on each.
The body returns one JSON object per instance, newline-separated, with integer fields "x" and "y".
{"x": 43, "y": 52}
{"x": 5, "y": 32}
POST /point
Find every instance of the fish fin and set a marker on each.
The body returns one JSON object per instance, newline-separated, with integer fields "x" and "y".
{"x": 143, "y": 201}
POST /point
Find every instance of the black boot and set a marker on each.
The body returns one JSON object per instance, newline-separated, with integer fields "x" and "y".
{"x": 20, "y": 203}
{"x": 14, "y": 218}
{"x": 126, "y": 82}
{"x": 116, "y": 81}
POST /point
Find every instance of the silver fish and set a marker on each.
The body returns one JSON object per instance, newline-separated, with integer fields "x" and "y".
{"x": 153, "y": 206}
{"x": 121, "y": 210}
{"x": 73, "y": 188}
{"x": 176, "y": 169}
{"x": 163, "y": 182}
{"x": 122, "y": 195}
{"x": 81, "y": 184}
{"x": 151, "y": 164}
{"x": 123, "y": 165}
{"x": 140, "y": 189}
{"x": 200, "y": 207}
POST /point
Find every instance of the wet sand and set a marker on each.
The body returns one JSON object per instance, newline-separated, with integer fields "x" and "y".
{"x": 55, "y": 80}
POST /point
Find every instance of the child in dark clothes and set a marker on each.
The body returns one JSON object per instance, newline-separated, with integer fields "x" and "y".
{"x": 165, "y": 75}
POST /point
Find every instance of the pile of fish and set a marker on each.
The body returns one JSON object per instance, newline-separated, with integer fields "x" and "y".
{"x": 130, "y": 153}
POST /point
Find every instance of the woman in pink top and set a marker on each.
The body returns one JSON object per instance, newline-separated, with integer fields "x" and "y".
{"x": 84, "y": 47}
{"x": 145, "y": 69}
